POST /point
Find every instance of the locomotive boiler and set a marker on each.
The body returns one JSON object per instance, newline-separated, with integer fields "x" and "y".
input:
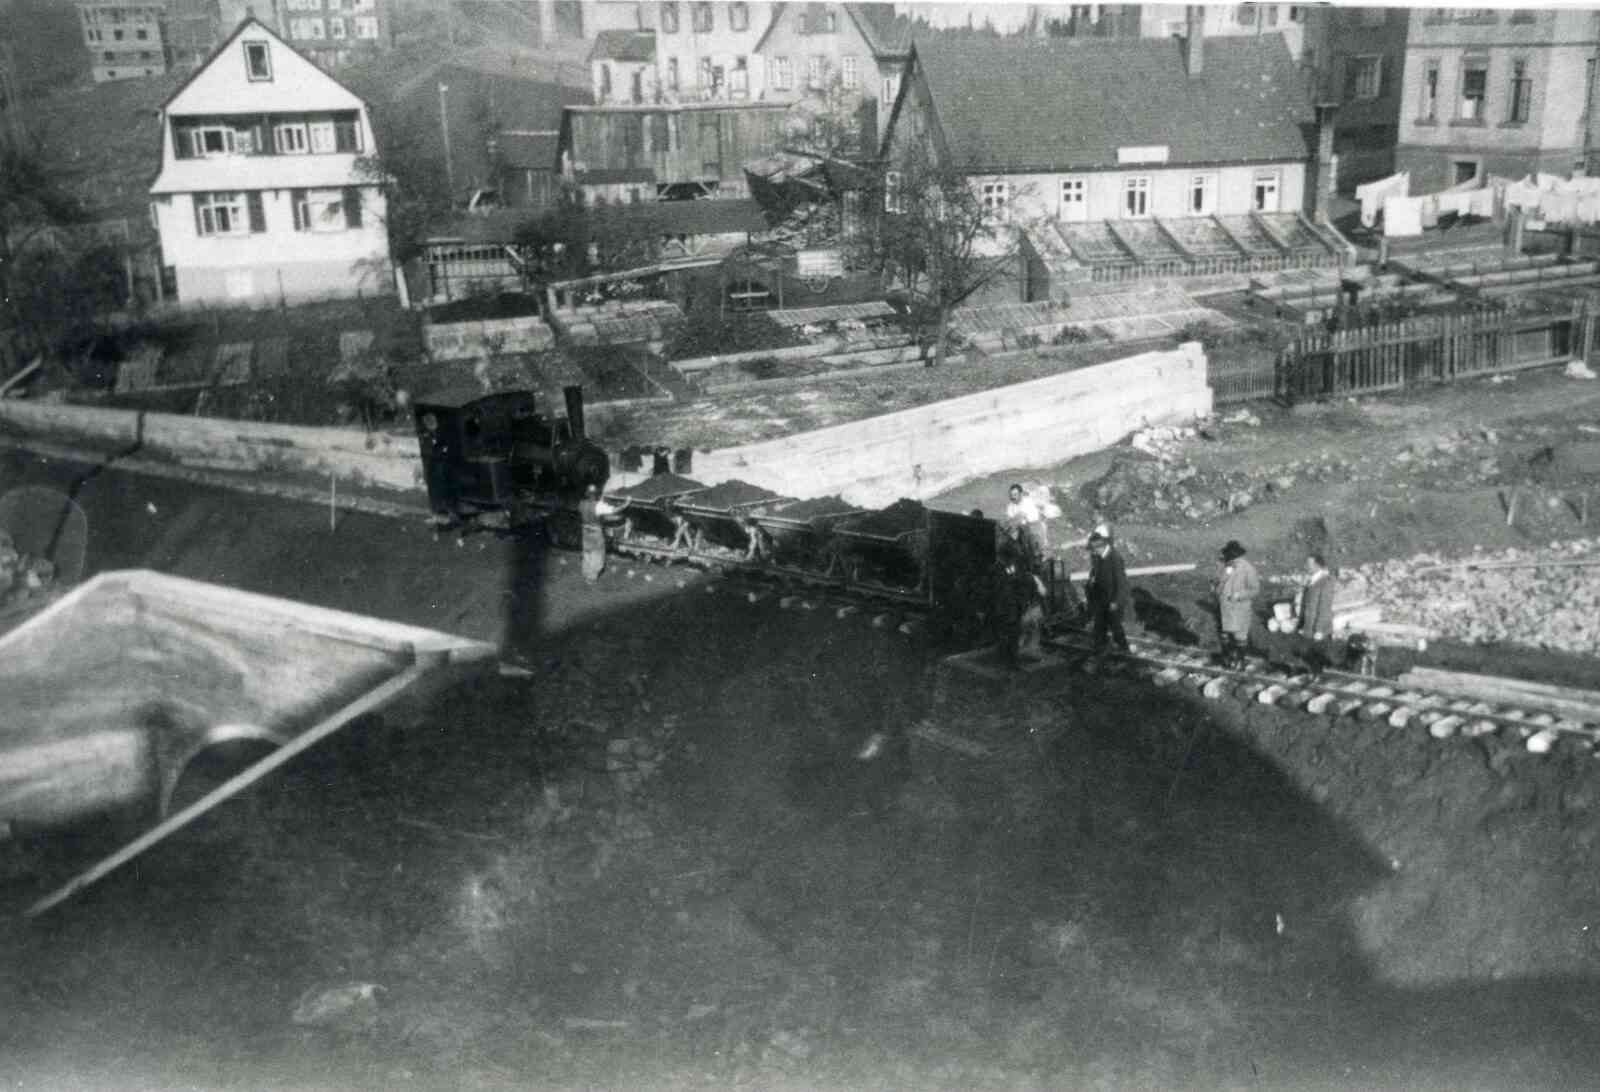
{"x": 498, "y": 453}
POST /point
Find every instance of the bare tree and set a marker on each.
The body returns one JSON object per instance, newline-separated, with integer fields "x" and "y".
{"x": 832, "y": 121}
{"x": 941, "y": 239}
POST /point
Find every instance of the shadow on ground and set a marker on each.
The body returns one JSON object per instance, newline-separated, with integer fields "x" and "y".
{"x": 658, "y": 862}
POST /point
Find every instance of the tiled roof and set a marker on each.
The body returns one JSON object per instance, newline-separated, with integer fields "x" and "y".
{"x": 624, "y": 45}
{"x": 1055, "y": 104}
{"x": 887, "y": 33}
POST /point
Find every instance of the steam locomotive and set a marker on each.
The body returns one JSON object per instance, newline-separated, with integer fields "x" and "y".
{"x": 496, "y": 453}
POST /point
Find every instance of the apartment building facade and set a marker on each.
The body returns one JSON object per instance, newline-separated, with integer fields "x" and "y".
{"x": 1495, "y": 92}
{"x": 125, "y": 41}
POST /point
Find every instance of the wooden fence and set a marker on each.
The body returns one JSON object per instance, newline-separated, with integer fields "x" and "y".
{"x": 1430, "y": 349}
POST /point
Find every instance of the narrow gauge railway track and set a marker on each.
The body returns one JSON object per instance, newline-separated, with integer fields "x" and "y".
{"x": 1338, "y": 694}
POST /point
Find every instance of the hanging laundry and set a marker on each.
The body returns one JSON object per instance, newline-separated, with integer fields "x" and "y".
{"x": 1524, "y": 194}
{"x": 1558, "y": 207}
{"x": 1459, "y": 203}
{"x": 1372, "y": 194}
{"x": 1402, "y": 217}
{"x": 1482, "y": 202}
{"x": 1430, "y": 210}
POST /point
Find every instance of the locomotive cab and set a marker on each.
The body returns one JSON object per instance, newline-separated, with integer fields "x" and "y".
{"x": 485, "y": 452}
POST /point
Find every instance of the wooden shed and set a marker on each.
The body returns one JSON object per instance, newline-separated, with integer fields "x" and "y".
{"x": 619, "y": 154}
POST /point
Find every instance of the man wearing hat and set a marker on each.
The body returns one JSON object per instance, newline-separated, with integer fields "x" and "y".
{"x": 1107, "y": 592}
{"x": 1237, "y": 588}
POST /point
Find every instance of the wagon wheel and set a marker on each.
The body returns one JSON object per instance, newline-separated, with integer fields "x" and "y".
{"x": 818, "y": 285}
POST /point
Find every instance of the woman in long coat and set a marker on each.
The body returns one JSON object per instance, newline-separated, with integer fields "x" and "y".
{"x": 1237, "y": 588}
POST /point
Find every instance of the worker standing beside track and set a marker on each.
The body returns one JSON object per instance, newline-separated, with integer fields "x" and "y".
{"x": 1026, "y": 520}
{"x": 1237, "y": 587}
{"x": 592, "y": 511}
{"x": 1107, "y": 592}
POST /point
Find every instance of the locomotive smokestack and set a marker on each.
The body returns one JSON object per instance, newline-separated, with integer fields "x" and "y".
{"x": 574, "y": 396}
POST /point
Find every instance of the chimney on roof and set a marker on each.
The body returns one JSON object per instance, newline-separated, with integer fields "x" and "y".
{"x": 1194, "y": 43}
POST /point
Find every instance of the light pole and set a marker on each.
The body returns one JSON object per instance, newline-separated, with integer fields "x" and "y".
{"x": 444, "y": 129}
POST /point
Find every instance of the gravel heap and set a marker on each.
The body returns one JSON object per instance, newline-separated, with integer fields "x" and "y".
{"x": 1553, "y": 606}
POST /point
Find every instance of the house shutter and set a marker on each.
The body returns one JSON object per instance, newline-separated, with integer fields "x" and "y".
{"x": 1351, "y": 68}
{"x": 183, "y": 143}
{"x": 264, "y": 144}
{"x": 258, "y": 212}
{"x": 352, "y": 207}
{"x": 194, "y": 200}
{"x": 344, "y": 137}
{"x": 297, "y": 206}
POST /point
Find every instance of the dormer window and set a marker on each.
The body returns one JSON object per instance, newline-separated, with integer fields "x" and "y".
{"x": 256, "y": 62}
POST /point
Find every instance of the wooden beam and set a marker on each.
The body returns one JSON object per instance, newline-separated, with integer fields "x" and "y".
{"x": 1583, "y": 705}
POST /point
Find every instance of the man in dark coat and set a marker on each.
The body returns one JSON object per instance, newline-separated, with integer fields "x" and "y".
{"x": 1108, "y": 593}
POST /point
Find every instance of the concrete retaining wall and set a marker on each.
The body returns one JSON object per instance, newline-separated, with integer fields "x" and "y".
{"x": 914, "y": 453}
{"x": 472, "y": 340}
{"x": 379, "y": 459}
{"x": 924, "y": 451}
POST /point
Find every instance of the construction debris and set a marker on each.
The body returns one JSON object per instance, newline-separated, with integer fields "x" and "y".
{"x": 1546, "y": 603}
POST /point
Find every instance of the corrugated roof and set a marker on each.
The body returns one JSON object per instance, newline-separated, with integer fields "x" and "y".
{"x": 624, "y": 45}
{"x": 1088, "y": 97}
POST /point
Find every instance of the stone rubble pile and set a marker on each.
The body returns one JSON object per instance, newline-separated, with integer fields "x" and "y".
{"x": 1550, "y": 606}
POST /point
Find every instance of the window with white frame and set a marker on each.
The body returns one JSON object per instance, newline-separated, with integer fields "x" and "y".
{"x": 672, "y": 74}
{"x": 782, "y": 74}
{"x": 336, "y": 28}
{"x": 321, "y": 137}
{"x": 214, "y": 140}
{"x": 704, "y": 20}
{"x": 707, "y": 74}
{"x": 290, "y": 138}
{"x": 1202, "y": 194}
{"x": 850, "y": 73}
{"x": 319, "y": 210}
{"x": 315, "y": 29}
{"x": 221, "y": 214}
{"x": 304, "y": 5}
{"x": 257, "y": 64}
{"x": 1265, "y": 192}
{"x": 1136, "y": 197}
{"x": 738, "y": 15}
{"x": 366, "y": 26}
{"x": 739, "y": 78}
{"x": 669, "y": 17}
{"x": 364, "y": 5}
{"x": 995, "y": 195}
{"x": 816, "y": 68}
{"x": 891, "y": 90}
{"x": 1074, "y": 199}
{"x": 893, "y": 192}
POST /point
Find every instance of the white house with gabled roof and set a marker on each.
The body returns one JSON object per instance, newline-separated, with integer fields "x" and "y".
{"x": 260, "y": 198}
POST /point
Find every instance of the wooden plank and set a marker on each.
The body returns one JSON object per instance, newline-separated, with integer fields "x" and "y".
{"x": 1582, "y": 705}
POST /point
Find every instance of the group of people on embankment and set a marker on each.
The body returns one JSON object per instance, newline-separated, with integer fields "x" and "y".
{"x": 1021, "y": 592}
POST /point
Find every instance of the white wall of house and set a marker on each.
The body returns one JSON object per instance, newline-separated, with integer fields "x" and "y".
{"x": 281, "y": 263}
{"x": 1102, "y": 195}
